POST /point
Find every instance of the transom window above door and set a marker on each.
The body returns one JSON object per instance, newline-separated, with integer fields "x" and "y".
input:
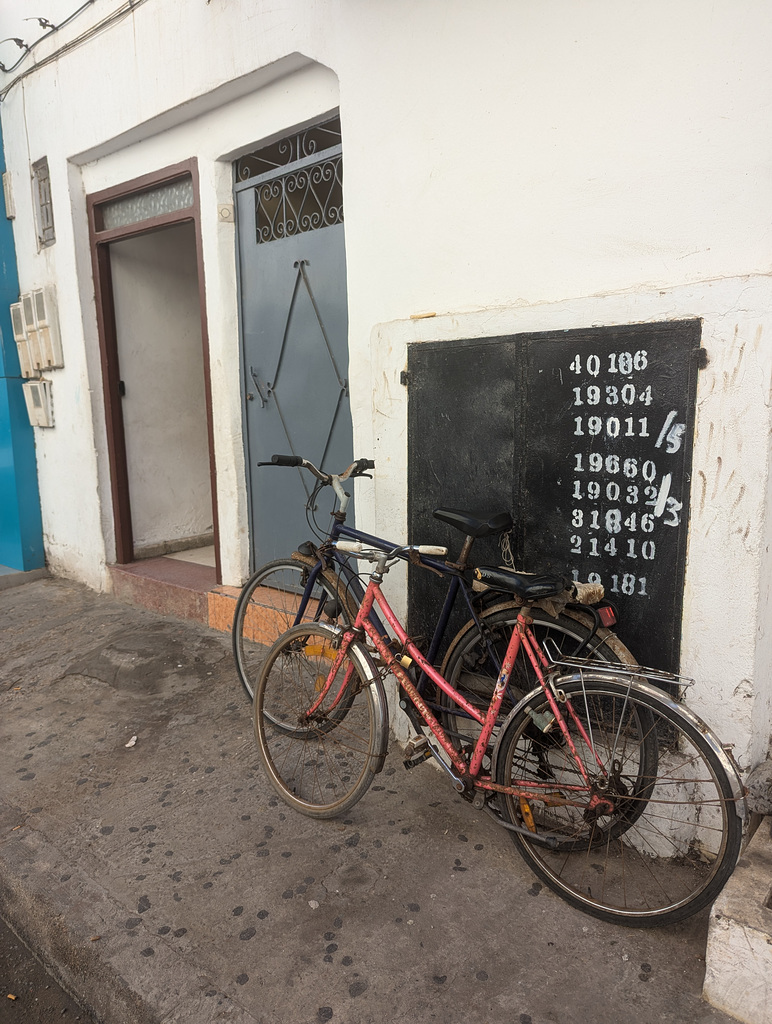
{"x": 298, "y": 182}
{"x": 288, "y": 150}
{"x": 137, "y": 207}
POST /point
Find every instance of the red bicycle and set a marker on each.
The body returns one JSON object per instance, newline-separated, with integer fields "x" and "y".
{"x": 618, "y": 797}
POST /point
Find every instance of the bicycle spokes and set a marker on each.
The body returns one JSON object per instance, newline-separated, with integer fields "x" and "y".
{"x": 318, "y": 730}
{"x": 654, "y": 835}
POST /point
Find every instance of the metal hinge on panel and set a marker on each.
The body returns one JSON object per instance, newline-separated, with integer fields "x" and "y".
{"x": 404, "y": 378}
{"x": 263, "y": 388}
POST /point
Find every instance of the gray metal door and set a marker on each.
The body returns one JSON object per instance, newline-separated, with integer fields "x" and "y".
{"x": 294, "y": 329}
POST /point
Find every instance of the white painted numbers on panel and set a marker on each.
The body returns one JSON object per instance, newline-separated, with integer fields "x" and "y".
{"x": 621, "y": 501}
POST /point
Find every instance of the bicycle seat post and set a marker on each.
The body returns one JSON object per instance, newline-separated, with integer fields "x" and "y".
{"x": 463, "y": 556}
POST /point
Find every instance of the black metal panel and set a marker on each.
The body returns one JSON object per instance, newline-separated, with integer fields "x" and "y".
{"x": 463, "y": 451}
{"x": 586, "y": 436}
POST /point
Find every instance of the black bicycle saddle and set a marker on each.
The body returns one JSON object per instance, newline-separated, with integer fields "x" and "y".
{"x": 525, "y": 585}
{"x": 475, "y": 524}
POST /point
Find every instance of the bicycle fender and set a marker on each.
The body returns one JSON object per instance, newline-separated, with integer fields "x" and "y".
{"x": 364, "y": 662}
{"x": 363, "y": 658}
{"x": 537, "y": 690}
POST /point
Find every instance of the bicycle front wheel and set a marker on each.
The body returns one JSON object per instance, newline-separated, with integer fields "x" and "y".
{"x": 269, "y": 604}
{"x": 321, "y": 764}
{"x": 667, "y": 835}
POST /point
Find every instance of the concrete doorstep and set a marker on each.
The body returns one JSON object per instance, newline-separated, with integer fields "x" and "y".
{"x": 10, "y": 578}
{"x": 738, "y": 977}
{"x": 164, "y": 882}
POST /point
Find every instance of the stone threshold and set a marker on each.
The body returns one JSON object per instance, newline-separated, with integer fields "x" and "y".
{"x": 182, "y": 589}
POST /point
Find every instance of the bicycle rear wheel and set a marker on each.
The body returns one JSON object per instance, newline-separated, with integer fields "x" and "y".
{"x": 469, "y": 667}
{"x": 670, "y": 838}
{"x": 268, "y": 605}
{"x": 321, "y": 765}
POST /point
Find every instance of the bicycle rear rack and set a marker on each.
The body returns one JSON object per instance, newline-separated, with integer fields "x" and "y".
{"x": 657, "y": 677}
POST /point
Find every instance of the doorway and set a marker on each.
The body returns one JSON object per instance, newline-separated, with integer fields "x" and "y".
{"x": 150, "y": 305}
{"x": 158, "y": 334}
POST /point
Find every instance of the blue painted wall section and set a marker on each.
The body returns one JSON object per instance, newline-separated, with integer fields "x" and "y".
{"x": 21, "y": 531}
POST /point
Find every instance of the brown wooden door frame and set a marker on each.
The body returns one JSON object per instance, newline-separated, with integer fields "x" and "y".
{"x": 100, "y": 240}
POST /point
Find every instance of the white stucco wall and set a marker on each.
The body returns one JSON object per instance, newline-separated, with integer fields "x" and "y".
{"x": 508, "y": 166}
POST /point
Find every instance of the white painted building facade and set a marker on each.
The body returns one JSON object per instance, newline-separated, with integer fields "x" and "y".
{"x": 509, "y": 166}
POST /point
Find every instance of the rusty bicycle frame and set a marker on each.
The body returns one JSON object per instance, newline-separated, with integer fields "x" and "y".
{"x": 468, "y": 775}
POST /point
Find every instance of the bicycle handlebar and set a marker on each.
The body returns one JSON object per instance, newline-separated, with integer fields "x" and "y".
{"x": 283, "y": 460}
{"x": 356, "y": 547}
{"x": 358, "y": 468}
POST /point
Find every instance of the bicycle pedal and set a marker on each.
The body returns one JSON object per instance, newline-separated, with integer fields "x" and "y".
{"x": 418, "y": 759}
{"x": 414, "y": 746}
{"x": 416, "y": 751}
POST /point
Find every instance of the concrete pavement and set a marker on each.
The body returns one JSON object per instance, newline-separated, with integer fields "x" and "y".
{"x": 164, "y": 882}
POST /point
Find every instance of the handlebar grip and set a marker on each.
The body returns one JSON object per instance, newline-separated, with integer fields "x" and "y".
{"x": 352, "y": 546}
{"x": 286, "y": 460}
{"x": 431, "y": 549}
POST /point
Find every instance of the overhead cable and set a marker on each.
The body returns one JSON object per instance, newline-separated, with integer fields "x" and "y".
{"x": 118, "y": 15}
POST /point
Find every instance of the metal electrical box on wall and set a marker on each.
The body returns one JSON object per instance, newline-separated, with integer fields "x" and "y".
{"x": 40, "y": 407}
{"x": 586, "y": 438}
{"x": 36, "y": 333}
{"x": 22, "y": 341}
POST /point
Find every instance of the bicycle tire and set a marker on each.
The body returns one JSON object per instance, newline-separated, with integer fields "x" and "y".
{"x": 267, "y": 607}
{"x": 656, "y": 866}
{"x": 322, "y": 766}
{"x": 468, "y": 667}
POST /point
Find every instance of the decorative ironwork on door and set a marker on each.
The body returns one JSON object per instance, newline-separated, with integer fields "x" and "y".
{"x": 309, "y": 142}
{"x": 303, "y": 201}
